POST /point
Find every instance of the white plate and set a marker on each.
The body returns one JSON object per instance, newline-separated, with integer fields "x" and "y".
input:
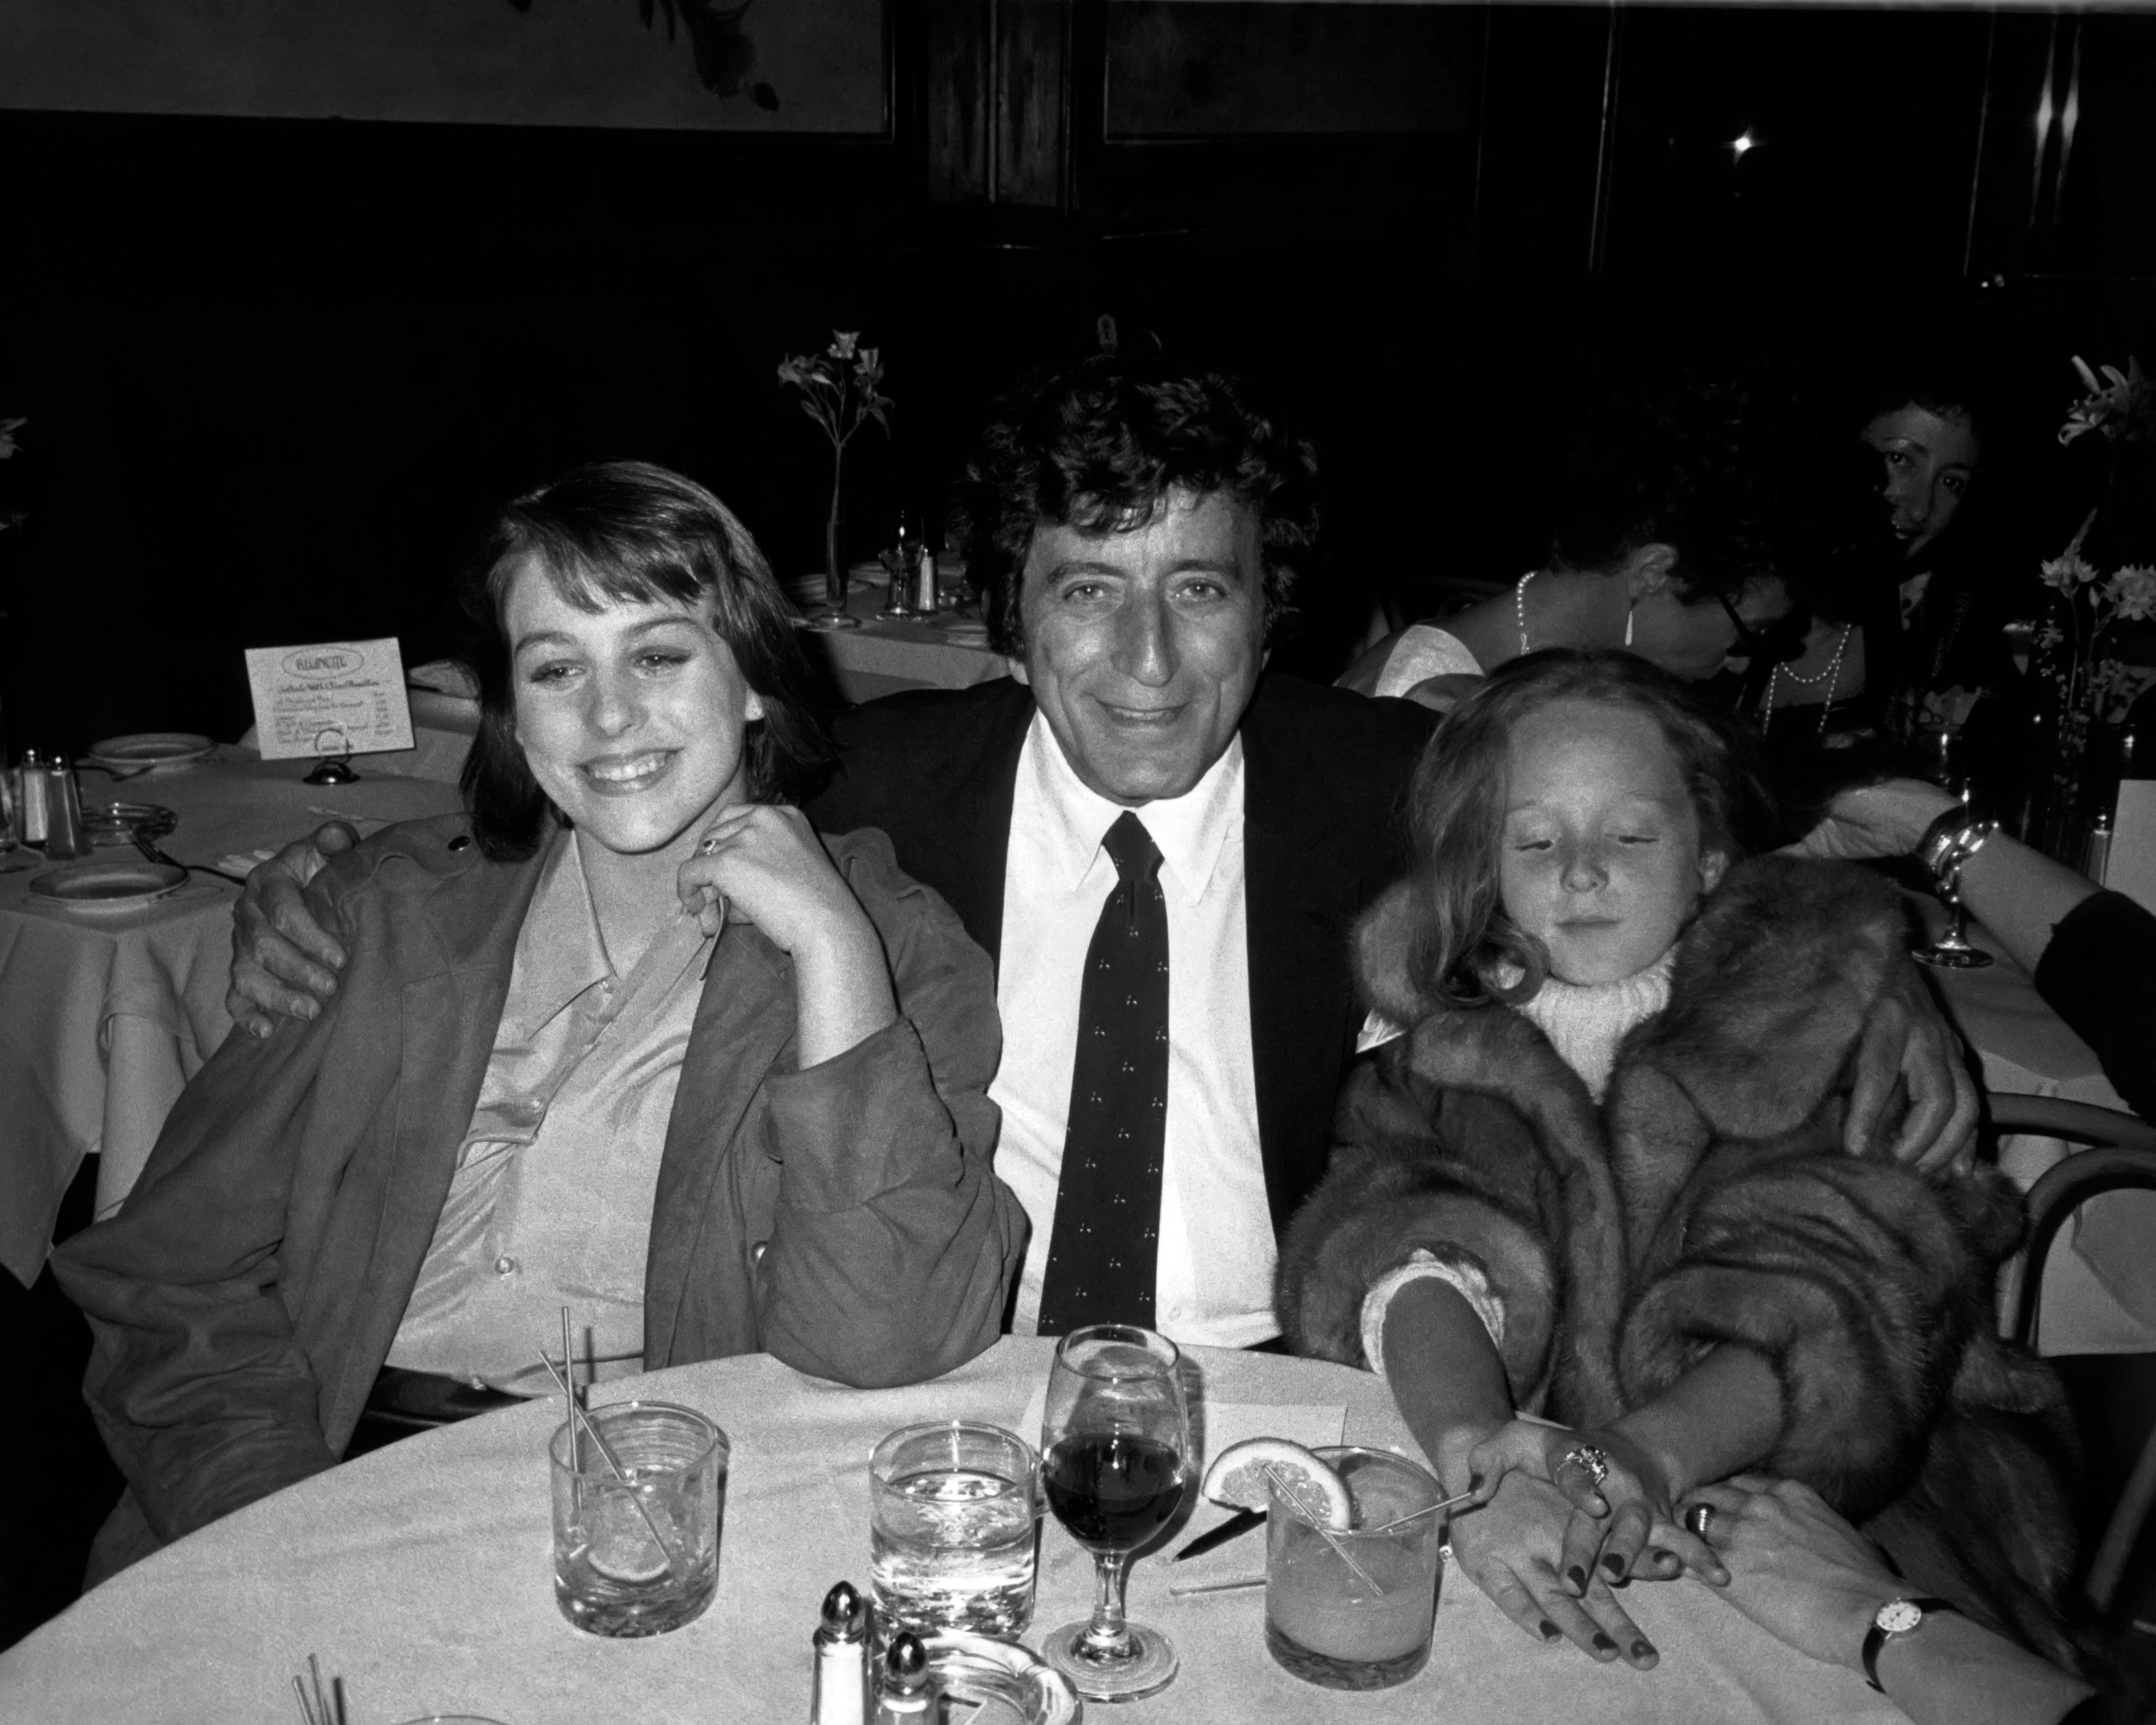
{"x": 107, "y": 886}
{"x": 1007, "y": 1684}
{"x": 150, "y": 748}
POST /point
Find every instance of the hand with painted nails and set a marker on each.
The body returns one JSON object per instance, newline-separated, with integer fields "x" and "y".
{"x": 1510, "y": 1545}
{"x": 1622, "y": 1525}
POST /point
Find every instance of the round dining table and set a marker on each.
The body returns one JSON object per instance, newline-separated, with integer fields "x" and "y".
{"x": 421, "y": 1575}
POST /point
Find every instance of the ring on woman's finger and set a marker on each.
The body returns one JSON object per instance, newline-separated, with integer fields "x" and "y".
{"x": 1589, "y": 1460}
{"x": 1698, "y": 1518}
{"x": 708, "y": 847}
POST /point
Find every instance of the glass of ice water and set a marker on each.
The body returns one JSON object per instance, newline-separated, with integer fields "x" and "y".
{"x": 638, "y": 1500}
{"x": 953, "y": 1513}
{"x": 1355, "y": 1610}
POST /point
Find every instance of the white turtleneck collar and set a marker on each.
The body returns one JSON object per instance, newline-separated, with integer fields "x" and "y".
{"x": 1585, "y": 1022}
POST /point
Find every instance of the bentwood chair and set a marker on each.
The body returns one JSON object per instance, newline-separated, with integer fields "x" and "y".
{"x": 2122, "y": 1153}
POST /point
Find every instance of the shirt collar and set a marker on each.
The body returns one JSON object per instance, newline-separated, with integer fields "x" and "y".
{"x": 559, "y": 952}
{"x": 1191, "y": 830}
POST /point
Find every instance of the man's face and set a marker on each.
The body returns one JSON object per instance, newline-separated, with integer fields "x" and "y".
{"x": 1143, "y": 647}
{"x": 1929, "y": 462}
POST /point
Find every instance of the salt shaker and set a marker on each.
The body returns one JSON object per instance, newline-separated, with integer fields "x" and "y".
{"x": 65, "y": 837}
{"x": 907, "y": 1696}
{"x": 838, "y": 1687}
{"x": 924, "y": 595}
{"x": 30, "y": 796}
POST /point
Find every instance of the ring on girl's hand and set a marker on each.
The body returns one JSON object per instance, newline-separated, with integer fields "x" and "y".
{"x": 708, "y": 847}
{"x": 1699, "y": 1517}
{"x": 1589, "y": 1460}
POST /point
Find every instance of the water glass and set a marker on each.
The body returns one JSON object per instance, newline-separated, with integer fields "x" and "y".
{"x": 1354, "y": 1610}
{"x": 954, "y": 1511}
{"x": 639, "y": 1498}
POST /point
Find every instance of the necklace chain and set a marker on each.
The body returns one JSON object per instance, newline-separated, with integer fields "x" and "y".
{"x": 1520, "y": 607}
{"x": 1831, "y": 677}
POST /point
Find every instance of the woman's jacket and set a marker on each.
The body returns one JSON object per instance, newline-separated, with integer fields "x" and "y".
{"x": 844, "y": 1218}
{"x": 1708, "y": 1201}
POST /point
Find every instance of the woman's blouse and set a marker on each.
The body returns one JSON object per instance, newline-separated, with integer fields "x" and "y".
{"x": 550, "y": 1202}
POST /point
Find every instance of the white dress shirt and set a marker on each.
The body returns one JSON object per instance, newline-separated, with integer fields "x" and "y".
{"x": 1214, "y": 1276}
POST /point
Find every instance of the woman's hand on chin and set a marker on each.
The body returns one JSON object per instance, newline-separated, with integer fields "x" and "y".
{"x": 1622, "y": 1527}
{"x": 767, "y": 862}
{"x": 1512, "y": 1545}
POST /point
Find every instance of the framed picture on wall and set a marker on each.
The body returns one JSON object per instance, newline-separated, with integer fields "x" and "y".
{"x": 799, "y": 66}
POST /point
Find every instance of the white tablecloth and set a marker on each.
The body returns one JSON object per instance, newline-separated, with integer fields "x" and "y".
{"x": 104, "y": 1016}
{"x": 421, "y": 1574}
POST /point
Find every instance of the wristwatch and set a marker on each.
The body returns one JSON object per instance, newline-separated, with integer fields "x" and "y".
{"x": 1894, "y": 1619}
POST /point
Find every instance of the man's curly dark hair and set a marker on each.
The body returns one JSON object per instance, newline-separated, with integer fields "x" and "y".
{"x": 1101, "y": 446}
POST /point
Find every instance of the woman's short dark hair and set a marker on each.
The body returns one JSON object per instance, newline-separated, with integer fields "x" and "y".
{"x": 1100, "y": 447}
{"x": 1709, "y": 467}
{"x": 628, "y": 532}
{"x": 1469, "y": 948}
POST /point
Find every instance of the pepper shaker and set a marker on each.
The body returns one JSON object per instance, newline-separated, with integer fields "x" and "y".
{"x": 838, "y": 1689}
{"x": 65, "y": 837}
{"x": 907, "y": 1696}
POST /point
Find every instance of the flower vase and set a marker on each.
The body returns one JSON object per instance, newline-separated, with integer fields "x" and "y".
{"x": 834, "y": 614}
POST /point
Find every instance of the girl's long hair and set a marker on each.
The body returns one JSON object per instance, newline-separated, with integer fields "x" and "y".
{"x": 627, "y": 531}
{"x": 1468, "y": 950}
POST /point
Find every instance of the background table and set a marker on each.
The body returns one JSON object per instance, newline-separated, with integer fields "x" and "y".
{"x": 421, "y": 1573}
{"x": 884, "y": 656}
{"x": 105, "y": 1015}
{"x": 2099, "y": 1282}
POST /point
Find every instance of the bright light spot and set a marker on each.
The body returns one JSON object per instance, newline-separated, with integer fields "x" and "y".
{"x": 1740, "y": 143}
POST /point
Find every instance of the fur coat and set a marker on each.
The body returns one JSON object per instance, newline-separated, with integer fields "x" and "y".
{"x": 1708, "y": 1201}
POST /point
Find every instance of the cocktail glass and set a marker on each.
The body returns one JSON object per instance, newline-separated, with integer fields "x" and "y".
{"x": 1355, "y": 1610}
{"x": 639, "y": 1498}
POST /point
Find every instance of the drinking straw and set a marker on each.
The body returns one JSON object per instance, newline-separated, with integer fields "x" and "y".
{"x": 578, "y": 1416}
{"x": 1184, "y": 1590}
{"x": 1339, "y": 1551}
{"x": 300, "y": 1691}
{"x": 321, "y": 1701}
{"x": 1416, "y": 1515}
{"x": 568, "y": 1394}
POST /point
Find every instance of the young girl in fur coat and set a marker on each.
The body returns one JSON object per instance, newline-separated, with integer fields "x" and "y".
{"x": 1596, "y": 1174}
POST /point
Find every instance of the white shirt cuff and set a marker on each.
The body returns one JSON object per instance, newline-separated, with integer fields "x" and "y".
{"x": 1467, "y": 1279}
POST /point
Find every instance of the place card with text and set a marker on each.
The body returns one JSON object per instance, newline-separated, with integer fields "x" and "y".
{"x": 336, "y": 698}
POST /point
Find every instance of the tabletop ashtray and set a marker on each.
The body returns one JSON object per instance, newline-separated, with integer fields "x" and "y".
{"x": 118, "y": 824}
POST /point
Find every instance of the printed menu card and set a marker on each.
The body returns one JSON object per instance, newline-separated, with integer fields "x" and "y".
{"x": 337, "y": 698}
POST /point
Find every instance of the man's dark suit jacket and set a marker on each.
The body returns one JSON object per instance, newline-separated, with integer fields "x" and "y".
{"x": 1323, "y": 835}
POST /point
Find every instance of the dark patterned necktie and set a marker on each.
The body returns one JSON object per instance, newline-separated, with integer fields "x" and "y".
{"x": 1104, "y": 1248}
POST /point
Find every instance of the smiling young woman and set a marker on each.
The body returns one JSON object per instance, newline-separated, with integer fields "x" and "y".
{"x": 627, "y": 1037}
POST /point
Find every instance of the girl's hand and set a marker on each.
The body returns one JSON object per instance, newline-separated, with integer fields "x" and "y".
{"x": 768, "y": 864}
{"x": 1622, "y": 1528}
{"x": 1510, "y": 1545}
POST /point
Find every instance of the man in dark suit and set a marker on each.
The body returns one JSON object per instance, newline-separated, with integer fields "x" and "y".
{"x": 1134, "y": 538}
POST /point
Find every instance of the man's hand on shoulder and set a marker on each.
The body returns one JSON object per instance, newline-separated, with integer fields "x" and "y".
{"x": 285, "y": 962}
{"x": 1907, "y": 1048}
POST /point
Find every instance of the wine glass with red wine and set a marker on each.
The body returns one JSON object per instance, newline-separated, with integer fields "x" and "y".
{"x": 1115, "y": 1437}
